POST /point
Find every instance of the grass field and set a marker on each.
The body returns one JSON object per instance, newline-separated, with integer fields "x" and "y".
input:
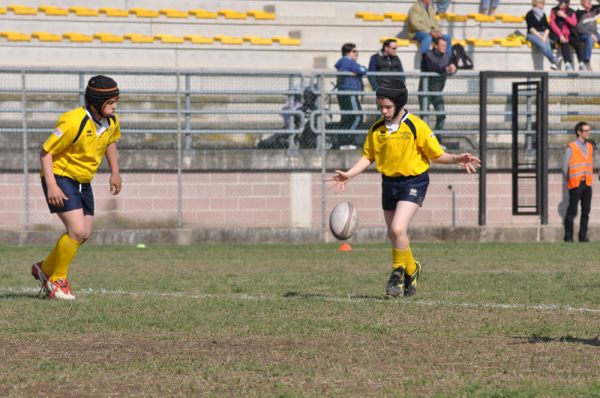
{"x": 514, "y": 320}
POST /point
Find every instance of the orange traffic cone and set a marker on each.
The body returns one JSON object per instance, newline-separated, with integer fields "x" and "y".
{"x": 345, "y": 247}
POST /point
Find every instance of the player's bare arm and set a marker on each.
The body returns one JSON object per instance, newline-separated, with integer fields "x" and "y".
{"x": 470, "y": 162}
{"x": 113, "y": 164}
{"x": 56, "y": 196}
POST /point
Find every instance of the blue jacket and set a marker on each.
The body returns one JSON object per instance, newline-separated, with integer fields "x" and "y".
{"x": 350, "y": 83}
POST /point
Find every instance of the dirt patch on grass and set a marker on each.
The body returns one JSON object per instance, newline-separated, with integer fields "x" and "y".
{"x": 259, "y": 365}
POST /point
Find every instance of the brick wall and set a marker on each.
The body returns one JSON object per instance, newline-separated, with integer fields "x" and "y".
{"x": 213, "y": 200}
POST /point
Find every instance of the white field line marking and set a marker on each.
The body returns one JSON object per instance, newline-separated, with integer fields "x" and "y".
{"x": 349, "y": 299}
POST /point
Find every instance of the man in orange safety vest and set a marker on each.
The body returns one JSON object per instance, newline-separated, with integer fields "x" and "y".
{"x": 578, "y": 169}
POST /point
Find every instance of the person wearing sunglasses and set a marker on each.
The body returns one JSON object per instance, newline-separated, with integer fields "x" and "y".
{"x": 385, "y": 60}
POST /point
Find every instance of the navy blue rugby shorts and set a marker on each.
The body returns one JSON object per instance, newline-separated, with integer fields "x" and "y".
{"x": 80, "y": 196}
{"x": 410, "y": 189}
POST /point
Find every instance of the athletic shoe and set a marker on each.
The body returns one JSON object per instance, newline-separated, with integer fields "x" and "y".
{"x": 59, "y": 289}
{"x": 37, "y": 273}
{"x": 582, "y": 66}
{"x": 568, "y": 66}
{"x": 554, "y": 66}
{"x": 394, "y": 285}
{"x": 410, "y": 281}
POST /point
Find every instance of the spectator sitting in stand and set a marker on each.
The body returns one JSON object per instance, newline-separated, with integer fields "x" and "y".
{"x": 538, "y": 32}
{"x": 385, "y": 60}
{"x": 423, "y": 25}
{"x": 562, "y": 24}
{"x": 587, "y": 28}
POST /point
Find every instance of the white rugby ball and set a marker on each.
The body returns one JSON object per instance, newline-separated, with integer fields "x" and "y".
{"x": 343, "y": 220}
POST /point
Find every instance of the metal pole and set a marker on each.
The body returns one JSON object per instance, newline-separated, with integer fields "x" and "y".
{"x": 188, "y": 106}
{"x": 482, "y": 146}
{"x": 292, "y": 149}
{"x": 25, "y": 153}
{"x": 323, "y": 158}
{"x": 179, "y": 156}
{"x": 453, "y": 205}
{"x": 81, "y": 89}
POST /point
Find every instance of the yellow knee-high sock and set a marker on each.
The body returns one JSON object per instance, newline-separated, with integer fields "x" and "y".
{"x": 48, "y": 263}
{"x": 399, "y": 257}
{"x": 411, "y": 266}
{"x": 66, "y": 250}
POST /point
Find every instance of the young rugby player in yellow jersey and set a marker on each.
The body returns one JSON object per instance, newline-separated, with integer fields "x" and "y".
{"x": 402, "y": 146}
{"x": 70, "y": 158}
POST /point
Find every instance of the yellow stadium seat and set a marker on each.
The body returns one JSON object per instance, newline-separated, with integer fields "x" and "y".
{"x": 482, "y": 17}
{"x": 15, "y": 36}
{"x": 46, "y": 36}
{"x": 198, "y": 39}
{"x": 369, "y": 16}
{"x": 480, "y": 42}
{"x": 396, "y": 16}
{"x": 108, "y": 38}
{"x": 144, "y": 13}
{"x": 2, "y": 10}
{"x": 232, "y": 14}
{"x": 21, "y": 10}
{"x": 77, "y": 37}
{"x": 258, "y": 14}
{"x": 84, "y": 11}
{"x": 223, "y": 39}
{"x": 450, "y": 17}
{"x": 203, "y": 14}
{"x": 399, "y": 42}
{"x": 510, "y": 43}
{"x": 510, "y": 18}
{"x": 258, "y": 41}
{"x": 170, "y": 13}
{"x": 596, "y": 45}
{"x": 462, "y": 42}
{"x": 54, "y": 11}
{"x": 114, "y": 12}
{"x": 138, "y": 38}
{"x": 286, "y": 41}
{"x": 168, "y": 39}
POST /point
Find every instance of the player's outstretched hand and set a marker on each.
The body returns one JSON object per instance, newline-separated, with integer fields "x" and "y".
{"x": 338, "y": 180}
{"x": 469, "y": 162}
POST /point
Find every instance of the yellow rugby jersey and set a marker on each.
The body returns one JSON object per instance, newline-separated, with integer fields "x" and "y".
{"x": 405, "y": 152}
{"x": 78, "y": 144}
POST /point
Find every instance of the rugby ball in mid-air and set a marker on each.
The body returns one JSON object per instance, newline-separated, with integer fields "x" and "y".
{"x": 343, "y": 220}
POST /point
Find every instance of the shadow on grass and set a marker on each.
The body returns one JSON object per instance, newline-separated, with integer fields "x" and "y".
{"x": 17, "y": 295}
{"x": 564, "y": 339}
{"x": 332, "y": 297}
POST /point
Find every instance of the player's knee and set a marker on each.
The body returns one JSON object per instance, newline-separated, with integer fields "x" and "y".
{"x": 397, "y": 233}
{"x": 78, "y": 235}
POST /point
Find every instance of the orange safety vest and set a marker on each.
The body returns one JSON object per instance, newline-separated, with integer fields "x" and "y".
{"x": 580, "y": 166}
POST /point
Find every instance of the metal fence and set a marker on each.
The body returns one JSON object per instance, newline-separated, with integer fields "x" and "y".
{"x": 203, "y": 147}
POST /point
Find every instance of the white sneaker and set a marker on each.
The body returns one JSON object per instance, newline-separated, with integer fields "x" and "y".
{"x": 554, "y": 66}
{"x": 37, "y": 273}
{"x": 582, "y": 66}
{"x": 59, "y": 290}
{"x": 568, "y": 66}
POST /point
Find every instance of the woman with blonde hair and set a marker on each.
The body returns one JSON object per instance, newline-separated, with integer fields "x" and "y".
{"x": 538, "y": 31}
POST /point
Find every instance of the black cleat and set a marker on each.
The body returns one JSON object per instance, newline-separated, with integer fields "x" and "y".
{"x": 395, "y": 284}
{"x": 410, "y": 282}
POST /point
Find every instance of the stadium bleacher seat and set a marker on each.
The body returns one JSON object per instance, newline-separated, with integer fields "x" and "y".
{"x": 230, "y": 40}
{"x": 482, "y": 17}
{"x": 114, "y": 12}
{"x": 15, "y": 36}
{"x": 168, "y": 39}
{"x": 510, "y": 18}
{"x": 477, "y": 42}
{"x": 399, "y": 42}
{"x": 108, "y": 38}
{"x": 46, "y": 36}
{"x": 286, "y": 41}
{"x": 2, "y": 10}
{"x": 232, "y": 14}
{"x": 144, "y": 13}
{"x": 369, "y": 16}
{"x": 451, "y": 17}
{"x": 84, "y": 11}
{"x": 138, "y": 38}
{"x": 194, "y": 39}
{"x": 203, "y": 14}
{"x": 462, "y": 42}
{"x": 54, "y": 11}
{"x": 171, "y": 13}
{"x": 261, "y": 15}
{"x": 396, "y": 16}
{"x": 21, "y": 10}
{"x": 258, "y": 41}
{"x": 78, "y": 37}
